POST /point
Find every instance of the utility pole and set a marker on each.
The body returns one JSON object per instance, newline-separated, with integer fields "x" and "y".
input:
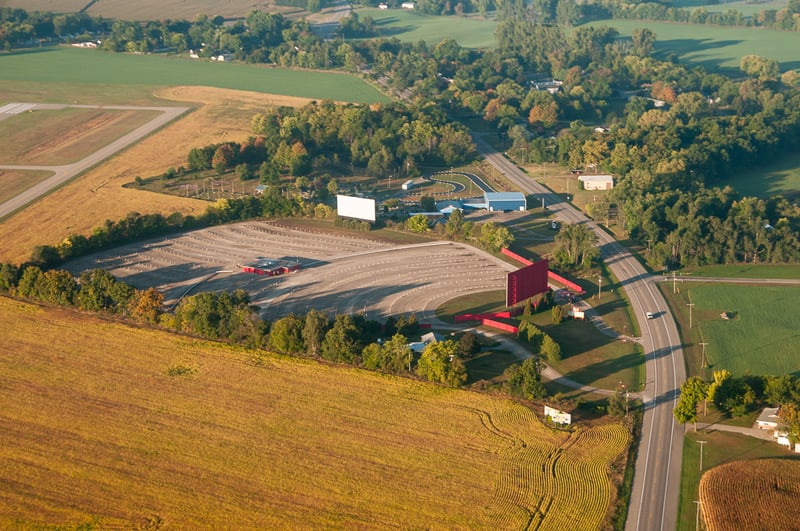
{"x": 697, "y": 517}
{"x": 701, "y": 443}
{"x": 626, "y": 397}
{"x": 703, "y": 359}
{"x": 690, "y": 305}
{"x": 648, "y": 245}
{"x": 674, "y": 282}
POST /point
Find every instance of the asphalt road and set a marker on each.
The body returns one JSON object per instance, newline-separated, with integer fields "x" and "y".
{"x": 656, "y": 483}
{"x": 64, "y": 173}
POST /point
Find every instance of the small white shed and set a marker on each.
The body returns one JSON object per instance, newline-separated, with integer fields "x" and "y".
{"x": 597, "y": 182}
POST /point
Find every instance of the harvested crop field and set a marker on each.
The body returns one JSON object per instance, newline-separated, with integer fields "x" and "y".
{"x": 98, "y": 195}
{"x": 129, "y": 427}
{"x": 756, "y": 494}
{"x": 66, "y": 135}
{"x": 340, "y": 273}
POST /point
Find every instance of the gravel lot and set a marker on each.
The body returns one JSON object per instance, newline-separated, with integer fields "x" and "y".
{"x": 340, "y": 273}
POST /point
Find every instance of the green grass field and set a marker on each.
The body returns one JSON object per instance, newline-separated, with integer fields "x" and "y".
{"x": 746, "y": 7}
{"x": 406, "y": 25}
{"x": 712, "y": 47}
{"x": 790, "y": 271}
{"x": 715, "y": 48}
{"x": 70, "y": 65}
{"x": 760, "y": 339}
{"x": 779, "y": 178}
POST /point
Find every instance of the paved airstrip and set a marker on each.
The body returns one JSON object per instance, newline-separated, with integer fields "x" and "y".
{"x": 340, "y": 273}
{"x": 65, "y": 172}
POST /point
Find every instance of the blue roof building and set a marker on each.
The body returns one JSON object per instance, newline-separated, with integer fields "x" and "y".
{"x": 505, "y": 201}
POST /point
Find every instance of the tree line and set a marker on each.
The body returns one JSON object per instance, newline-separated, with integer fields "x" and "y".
{"x": 230, "y": 317}
{"x": 136, "y": 226}
{"x": 787, "y": 18}
{"x": 95, "y": 290}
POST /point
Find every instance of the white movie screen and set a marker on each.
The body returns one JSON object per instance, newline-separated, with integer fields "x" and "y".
{"x": 355, "y": 207}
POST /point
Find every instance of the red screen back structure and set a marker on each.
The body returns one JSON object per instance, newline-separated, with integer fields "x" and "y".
{"x": 526, "y": 282}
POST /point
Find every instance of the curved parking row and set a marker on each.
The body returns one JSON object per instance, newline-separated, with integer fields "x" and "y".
{"x": 340, "y": 273}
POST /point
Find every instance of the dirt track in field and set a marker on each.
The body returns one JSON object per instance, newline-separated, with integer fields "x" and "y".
{"x": 340, "y": 273}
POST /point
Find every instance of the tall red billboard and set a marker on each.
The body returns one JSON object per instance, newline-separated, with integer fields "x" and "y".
{"x": 526, "y": 282}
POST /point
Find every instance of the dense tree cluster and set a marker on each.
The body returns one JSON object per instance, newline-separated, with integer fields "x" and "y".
{"x": 576, "y": 247}
{"x": 22, "y": 28}
{"x": 737, "y": 396}
{"x": 95, "y": 290}
{"x": 540, "y": 343}
{"x": 488, "y": 235}
{"x": 219, "y": 316}
{"x": 380, "y": 138}
{"x": 524, "y": 380}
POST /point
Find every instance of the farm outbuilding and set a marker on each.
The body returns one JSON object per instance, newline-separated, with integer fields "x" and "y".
{"x": 597, "y": 182}
{"x": 505, "y": 201}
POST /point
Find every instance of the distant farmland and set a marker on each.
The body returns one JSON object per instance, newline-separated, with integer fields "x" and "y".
{"x": 409, "y": 26}
{"x": 70, "y": 65}
{"x": 150, "y": 9}
{"x": 713, "y": 47}
{"x": 123, "y": 426}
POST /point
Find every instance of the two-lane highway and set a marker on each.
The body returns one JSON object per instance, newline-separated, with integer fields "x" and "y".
{"x": 654, "y": 498}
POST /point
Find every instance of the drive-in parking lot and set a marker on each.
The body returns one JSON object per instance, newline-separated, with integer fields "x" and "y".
{"x": 340, "y": 273}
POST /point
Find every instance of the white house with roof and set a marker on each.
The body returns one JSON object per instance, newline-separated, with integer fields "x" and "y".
{"x": 769, "y": 420}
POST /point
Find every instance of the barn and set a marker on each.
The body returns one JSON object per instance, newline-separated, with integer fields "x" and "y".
{"x": 505, "y": 201}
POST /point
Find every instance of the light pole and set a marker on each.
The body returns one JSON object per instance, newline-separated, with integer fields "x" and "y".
{"x": 690, "y": 305}
{"x": 599, "y": 287}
